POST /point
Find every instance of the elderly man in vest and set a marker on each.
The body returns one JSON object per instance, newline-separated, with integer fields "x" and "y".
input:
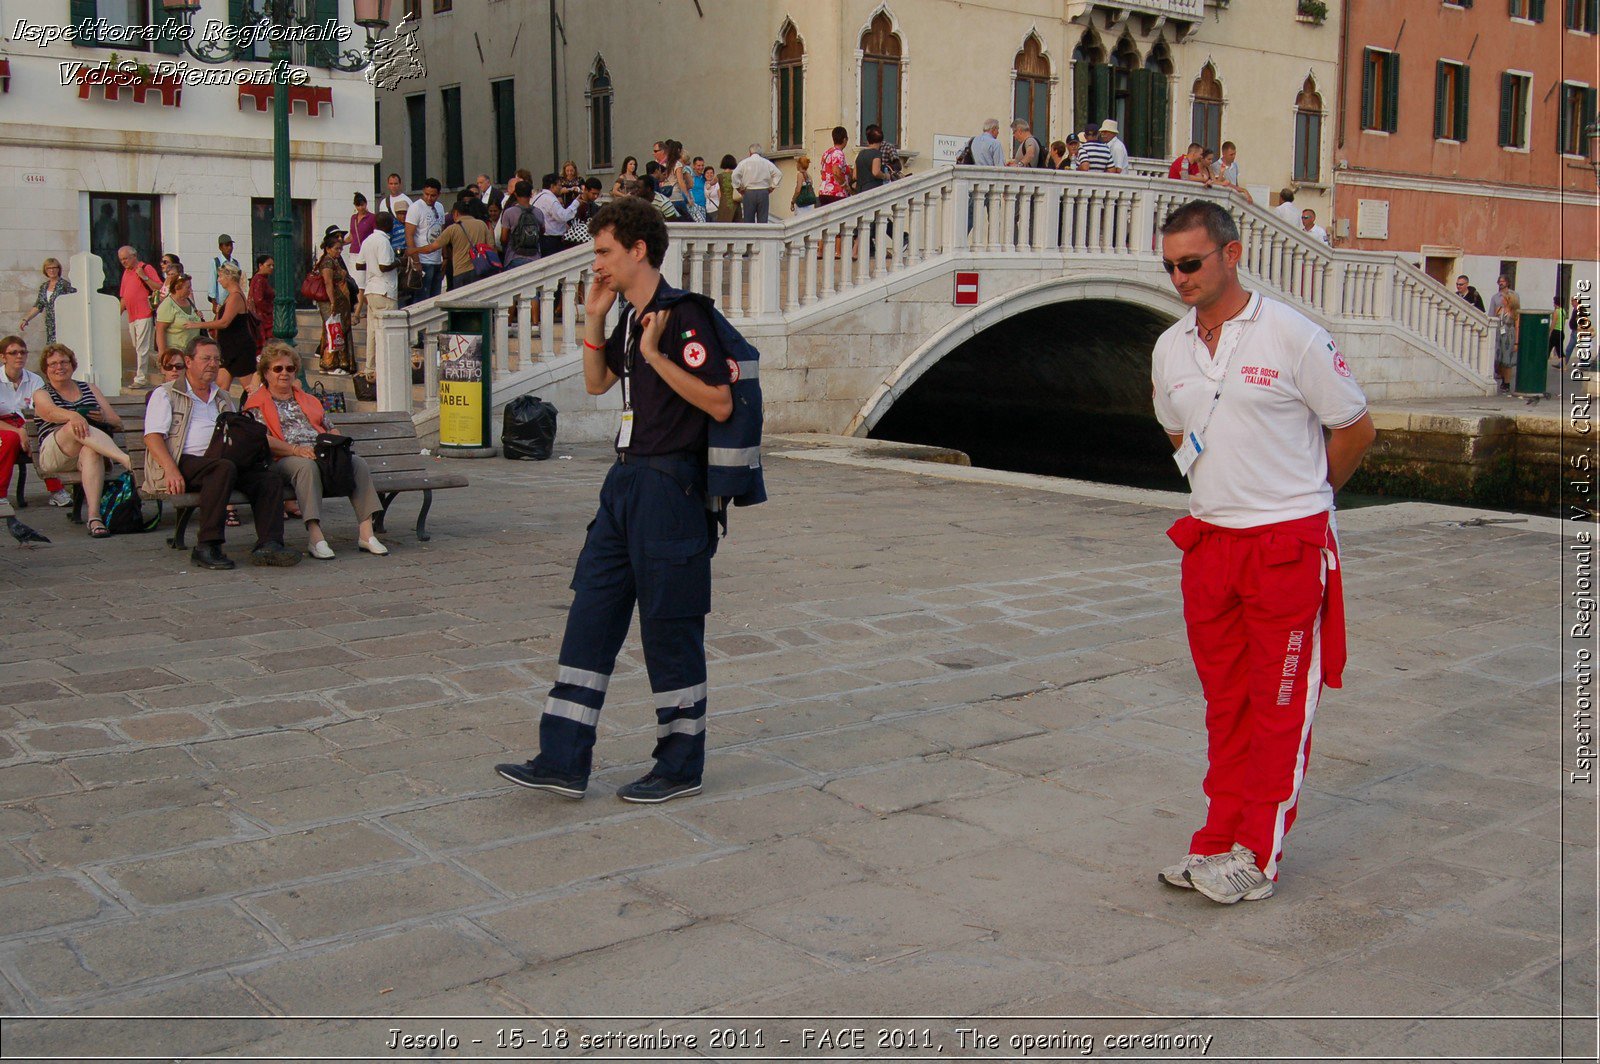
{"x": 178, "y": 423}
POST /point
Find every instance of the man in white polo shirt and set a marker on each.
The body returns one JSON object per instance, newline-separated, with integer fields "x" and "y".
{"x": 1245, "y": 386}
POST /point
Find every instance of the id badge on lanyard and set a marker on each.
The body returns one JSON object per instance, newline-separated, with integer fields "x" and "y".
{"x": 629, "y": 349}
{"x": 1194, "y": 443}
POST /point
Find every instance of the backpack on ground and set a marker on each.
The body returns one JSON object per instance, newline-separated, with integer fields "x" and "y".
{"x": 893, "y": 168}
{"x": 526, "y": 233}
{"x": 964, "y": 156}
{"x": 485, "y": 260}
{"x": 122, "y": 508}
{"x": 733, "y": 451}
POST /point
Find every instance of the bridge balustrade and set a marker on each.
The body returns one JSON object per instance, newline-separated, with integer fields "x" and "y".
{"x": 947, "y": 218}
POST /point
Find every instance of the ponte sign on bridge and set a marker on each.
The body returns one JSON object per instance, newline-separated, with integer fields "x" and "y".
{"x": 848, "y": 317}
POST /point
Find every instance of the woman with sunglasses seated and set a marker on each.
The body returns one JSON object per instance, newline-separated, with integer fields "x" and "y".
{"x": 294, "y": 418}
{"x": 62, "y": 414}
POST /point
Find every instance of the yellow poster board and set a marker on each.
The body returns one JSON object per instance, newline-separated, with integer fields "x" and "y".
{"x": 463, "y": 406}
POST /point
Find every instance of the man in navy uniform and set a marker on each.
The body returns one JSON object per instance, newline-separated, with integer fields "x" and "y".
{"x": 653, "y": 537}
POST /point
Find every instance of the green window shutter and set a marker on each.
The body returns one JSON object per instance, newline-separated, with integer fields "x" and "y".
{"x": 1590, "y": 97}
{"x": 1081, "y": 79}
{"x": 797, "y": 123}
{"x": 1506, "y": 93}
{"x": 1591, "y": 14}
{"x": 1441, "y": 80}
{"x": 1100, "y": 93}
{"x": 166, "y": 44}
{"x": 83, "y": 13}
{"x": 1563, "y": 119}
{"x": 1536, "y": 10}
{"x": 1160, "y": 113}
{"x": 236, "y": 12}
{"x": 1138, "y": 133}
{"x": 1463, "y": 94}
{"x": 322, "y": 53}
{"x": 1391, "y": 93}
{"x": 1369, "y": 89}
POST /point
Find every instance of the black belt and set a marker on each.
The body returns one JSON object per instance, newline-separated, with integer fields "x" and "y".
{"x": 673, "y": 460}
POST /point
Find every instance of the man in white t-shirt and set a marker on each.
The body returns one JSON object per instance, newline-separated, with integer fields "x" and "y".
{"x": 396, "y": 202}
{"x": 1308, "y": 222}
{"x": 1244, "y": 387}
{"x": 381, "y": 287}
{"x": 1286, "y": 208}
{"x": 424, "y": 219}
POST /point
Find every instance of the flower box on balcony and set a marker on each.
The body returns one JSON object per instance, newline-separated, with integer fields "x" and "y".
{"x": 314, "y": 97}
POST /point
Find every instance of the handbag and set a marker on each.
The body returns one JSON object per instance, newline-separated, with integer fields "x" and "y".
{"x": 335, "y": 464}
{"x": 410, "y": 274}
{"x": 332, "y": 402}
{"x": 240, "y": 439}
{"x": 366, "y": 388}
{"x": 577, "y": 233}
{"x": 314, "y": 288}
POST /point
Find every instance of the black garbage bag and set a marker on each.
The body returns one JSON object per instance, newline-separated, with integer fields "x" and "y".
{"x": 529, "y": 428}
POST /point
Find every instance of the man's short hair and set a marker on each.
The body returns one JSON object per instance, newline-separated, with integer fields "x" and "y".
{"x": 755, "y": 149}
{"x": 1202, "y": 214}
{"x": 1019, "y": 125}
{"x": 1286, "y": 195}
{"x": 1193, "y": 144}
{"x": 698, "y": 159}
{"x": 630, "y": 221}
{"x": 873, "y": 134}
{"x": 991, "y": 124}
{"x": 384, "y": 221}
{"x": 1229, "y": 144}
{"x": 197, "y": 342}
{"x": 524, "y": 174}
{"x": 1462, "y": 277}
{"x": 840, "y": 134}
{"x": 397, "y": 177}
{"x": 433, "y": 183}
{"x": 551, "y": 180}
{"x": 593, "y": 184}
{"x": 522, "y": 189}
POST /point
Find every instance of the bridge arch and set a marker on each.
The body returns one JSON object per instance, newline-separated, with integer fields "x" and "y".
{"x": 1153, "y": 296}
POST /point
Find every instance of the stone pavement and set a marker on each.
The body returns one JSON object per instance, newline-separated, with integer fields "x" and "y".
{"x": 955, "y": 731}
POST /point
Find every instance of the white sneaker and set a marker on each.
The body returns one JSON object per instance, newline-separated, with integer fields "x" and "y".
{"x": 372, "y": 546}
{"x": 61, "y": 497}
{"x": 1173, "y": 875}
{"x": 1230, "y": 877}
{"x": 320, "y": 549}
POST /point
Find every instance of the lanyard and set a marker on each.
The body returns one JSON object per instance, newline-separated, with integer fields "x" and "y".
{"x": 1216, "y": 399}
{"x": 630, "y": 350}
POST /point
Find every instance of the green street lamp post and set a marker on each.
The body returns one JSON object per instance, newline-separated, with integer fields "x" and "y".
{"x": 283, "y": 20}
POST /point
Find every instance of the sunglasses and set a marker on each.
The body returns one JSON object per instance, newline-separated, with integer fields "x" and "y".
{"x": 1188, "y": 266}
{"x": 281, "y": 369}
{"x": 176, "y": 367}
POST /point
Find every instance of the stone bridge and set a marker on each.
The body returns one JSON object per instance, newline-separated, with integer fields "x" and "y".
{"x": 849, "y": 318}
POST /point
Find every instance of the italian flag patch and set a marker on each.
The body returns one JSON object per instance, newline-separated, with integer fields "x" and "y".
{"x": 688, "y": 334}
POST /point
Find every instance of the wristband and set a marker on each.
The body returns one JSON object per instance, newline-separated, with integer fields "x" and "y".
{"x": 593, "y": 347}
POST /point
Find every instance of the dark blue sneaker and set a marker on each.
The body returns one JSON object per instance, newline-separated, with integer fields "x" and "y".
{"x": 652, "y": 789}
{"x": 524, "y": 775}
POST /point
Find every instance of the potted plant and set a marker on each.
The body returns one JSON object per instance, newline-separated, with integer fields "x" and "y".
{"x": 1312, "y": 11}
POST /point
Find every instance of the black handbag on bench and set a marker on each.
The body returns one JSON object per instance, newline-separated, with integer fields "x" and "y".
{"x": 241, "y": 439}
{"x": 335, "y": 465}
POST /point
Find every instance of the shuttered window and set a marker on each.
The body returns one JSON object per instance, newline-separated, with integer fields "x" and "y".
{"x": 1577, "y": 115}
{"x": 1380, "y": 90}
{"x": 880, "y": 78}
{"x": 789, "y": 88}
{"x": 1515, "y": 90}
{"x": 1583, "y": 15}
{"x": 1205, "y": 119}
{"x": 455, "y": 169}
{"x": 1450, "y": 96}
{"x": 1030, "y": 95}
{"x": 1308, "y": 114}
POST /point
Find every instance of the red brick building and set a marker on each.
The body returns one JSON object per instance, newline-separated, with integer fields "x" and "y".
{"x": 1463, "y": 138}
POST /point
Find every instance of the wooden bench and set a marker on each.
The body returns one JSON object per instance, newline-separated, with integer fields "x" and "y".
{"x": 387, "y": 441}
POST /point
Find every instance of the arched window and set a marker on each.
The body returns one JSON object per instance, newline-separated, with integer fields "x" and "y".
{"x": 880, "y": 77}
{"x": 1124, "y": 62}
{"x": 1030, "y": 97}
{"x": 788, "y": 87}
{"x": 1205, "y": 126}
{"x": 599, "y": 97}
{"x": 1308, "y": 134}
{"x": 1152, "y": 105}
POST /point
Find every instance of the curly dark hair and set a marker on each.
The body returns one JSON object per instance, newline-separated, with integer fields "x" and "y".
{"x": 632, "y": 220}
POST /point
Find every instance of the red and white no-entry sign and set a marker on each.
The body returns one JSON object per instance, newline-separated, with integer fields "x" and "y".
{"x": 966, "y": 289}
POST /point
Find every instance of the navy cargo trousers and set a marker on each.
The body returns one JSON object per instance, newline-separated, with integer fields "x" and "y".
{"x": 651, "y": 542}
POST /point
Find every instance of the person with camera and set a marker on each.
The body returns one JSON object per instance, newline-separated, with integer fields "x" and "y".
{"x": 180, "y": 425}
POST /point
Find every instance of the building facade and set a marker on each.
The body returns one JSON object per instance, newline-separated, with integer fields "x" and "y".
{"x": 1463, "y": 134}
{"x": 723, "y": 74}
{"x": 167, "y": 156}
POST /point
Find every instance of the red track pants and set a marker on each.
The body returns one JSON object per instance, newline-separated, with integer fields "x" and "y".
{"x": 1265, "y": 616}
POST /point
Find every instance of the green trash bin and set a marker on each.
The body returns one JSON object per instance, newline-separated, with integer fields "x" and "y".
{"x": 1533, "y": 353}
{"x": 465, "y": 392}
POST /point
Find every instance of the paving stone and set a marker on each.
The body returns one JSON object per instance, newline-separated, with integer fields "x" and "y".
{"x": 76, "y": 708}
{"x": 919, "y": 783}
{"x": 71, "y": 739}
{"x": 376, "y": 697}
{"x": 120, "y": 682}
{"x": 791, "y": 811}
{"x": 216, "y": 995}
{"x": 327, "y": 910}
{"x": 591, "y": 920}
{"x": 18, "y": 694}
{"x": 164, "y": 727}
{"x": 375, "y": 975}
{"x": 582, "y": 853}
{"x": 450, "y": 746}
{"x": 851, "y": 748}
{"x": 36, "y": 903}
{"x": 864, "y": 923}
{"x": 30, "y": 781}
{"x": 305, "y": 658}
{"x": 71, "y": 847}
{"x": 361, "y": 796}
{"x": 246, "y": 866}
{"x": 904, "y": 841}
{"x": 273, "y": 714}
{"x": 757, "y": 877}
{"x": 114, "y": 955}
{"x": 670, "y": 973}
{"x": 133, "y": 767}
